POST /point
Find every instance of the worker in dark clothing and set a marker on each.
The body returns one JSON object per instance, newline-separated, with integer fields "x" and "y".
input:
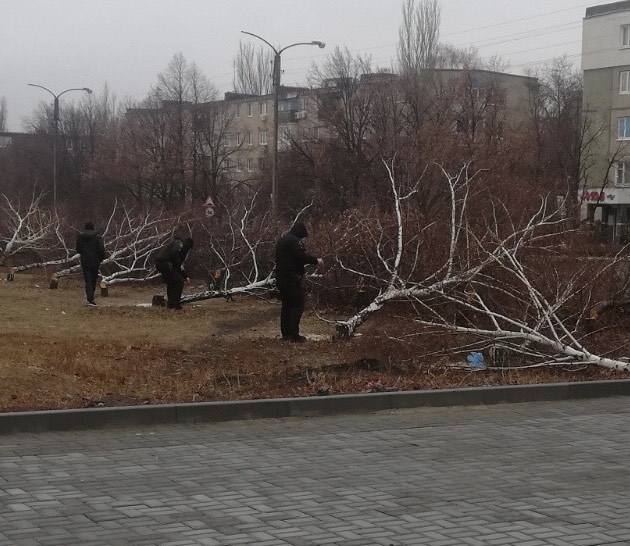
{"x": 291, "y": 257}
{"x": 91, "y": 248}
{"x": 169, "y": 262}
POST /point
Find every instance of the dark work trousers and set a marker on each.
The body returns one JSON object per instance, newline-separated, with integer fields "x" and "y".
{"x": 292, "y": 296}
{"x": 90, "y": 274}
{"x": 174, "y": 283}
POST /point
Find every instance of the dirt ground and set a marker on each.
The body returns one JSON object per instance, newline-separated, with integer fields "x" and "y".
{"x": 56, "y": 352}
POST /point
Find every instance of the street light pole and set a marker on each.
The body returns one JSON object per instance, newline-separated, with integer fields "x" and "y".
{"x": 276, "y": 93}
{"x": 56, "y": 130}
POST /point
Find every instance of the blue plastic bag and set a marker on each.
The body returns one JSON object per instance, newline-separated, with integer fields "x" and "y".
{"x": 476, "y": 361}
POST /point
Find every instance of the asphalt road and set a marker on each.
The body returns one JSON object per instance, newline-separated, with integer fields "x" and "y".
{"x": 526, "y": 474}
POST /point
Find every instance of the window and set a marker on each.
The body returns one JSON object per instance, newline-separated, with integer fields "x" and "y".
{"x": 226, "y": 140}
{"x": 238, "y": 110}
{"x": 250, "y": 165}
{"x": 623, "y": 131}
{"x": 239, "y": 139}
{"x": 262, "y": 137}
{"x": 239, "y": 166}
{"x": 625, "y": 35}
{"x": 263, "y": 109}
{"x": 305, "y": 136}
{"x": 622, "y": 174}
{"x": 250, "y": 138}
{"x": 249, "y": 109}
{"x": 316, "y": 133}
{"x": 624, "y": 82}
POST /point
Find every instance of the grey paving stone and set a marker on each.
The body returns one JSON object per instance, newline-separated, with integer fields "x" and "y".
{"x": 533, "y": 474}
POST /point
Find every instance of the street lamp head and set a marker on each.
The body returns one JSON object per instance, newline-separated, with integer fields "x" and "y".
{"x": 88, "y": 90}
{"x": 319, "y": 44}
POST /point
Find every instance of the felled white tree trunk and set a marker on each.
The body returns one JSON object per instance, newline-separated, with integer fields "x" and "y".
{"x": 254, "y": 288}
{"x": 534, "y": 323}
{"x": 25, "y": 228}
{"x": 397, "y": 287}
{"x": 130, "y": 240}
{"x": 239, "y": 256}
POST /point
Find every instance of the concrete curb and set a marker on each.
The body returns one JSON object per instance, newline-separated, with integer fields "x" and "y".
{"x": 209, "y": 412}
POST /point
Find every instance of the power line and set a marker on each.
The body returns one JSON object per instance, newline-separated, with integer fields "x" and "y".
{"x": 590, "y": 4}
{"x": 494, "y": 41}
{"x": 508, "y": 22}
{"x": 522, "y": 35}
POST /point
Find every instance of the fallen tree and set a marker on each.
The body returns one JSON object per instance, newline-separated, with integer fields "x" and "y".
{"x": 241, "y": 247}
{"x": 26, "y": 228}
{"x": 130, "y": 239}
{"x": 498, "y": 281}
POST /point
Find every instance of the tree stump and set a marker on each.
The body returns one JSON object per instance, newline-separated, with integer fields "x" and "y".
{"x": 158, "y": 301}
{"x": 104, "y": 289}
{"x": 342, "y": 331}
{"x": 54, "y": 283}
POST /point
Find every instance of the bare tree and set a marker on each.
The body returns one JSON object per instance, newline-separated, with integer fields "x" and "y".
{"x": 253, "y": 69}
{"x": 26, "y": 227}
{"x": 163, "y": 132}
{"x": 418, "y": 36}
{"x": 241, "y": 248}
{"x": 499, "y": 277}
{"x": 130, "y": 239}
{"x": 389, "y": 275}
{"x": 3, "y": 114}
{"x": 345, "y": 107}
{"x": 217, "y": 145}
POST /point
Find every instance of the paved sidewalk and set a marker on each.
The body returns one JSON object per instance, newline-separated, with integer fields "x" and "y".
{"x": 527, "y": 474}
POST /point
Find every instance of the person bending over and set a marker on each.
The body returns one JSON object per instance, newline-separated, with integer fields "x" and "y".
{"x": 169, "y": 263}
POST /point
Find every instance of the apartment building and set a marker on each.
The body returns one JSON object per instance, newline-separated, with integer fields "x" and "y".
{"x": 605, "y": 195}
{"x": 247, "y": 128}
{"x": 505, "y": 96}
{"x": 234, "y": 136}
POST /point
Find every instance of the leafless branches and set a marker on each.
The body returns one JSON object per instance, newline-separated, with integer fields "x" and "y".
{"x": 500, "y": 280}
{"x": 240, "y": 248}
{"x": 130, "y": 238}
{"x": 25, "y": 227}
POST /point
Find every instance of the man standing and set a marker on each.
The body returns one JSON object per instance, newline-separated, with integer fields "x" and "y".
{"x": 91, "y": 248}
{"x": 291, "y": 257}
{"x": 169, "y": 262}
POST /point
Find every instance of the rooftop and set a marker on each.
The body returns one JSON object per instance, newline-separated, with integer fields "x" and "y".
{"x": 606, "y": 9}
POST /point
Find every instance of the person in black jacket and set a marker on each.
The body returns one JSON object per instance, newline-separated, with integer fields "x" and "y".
{"x": 291, "y": 257}
{"x": 169, "y": 262}
{"x": 91, "y": 248}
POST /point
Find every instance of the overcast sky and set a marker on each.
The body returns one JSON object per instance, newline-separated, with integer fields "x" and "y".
{"x": 62, "y": 44}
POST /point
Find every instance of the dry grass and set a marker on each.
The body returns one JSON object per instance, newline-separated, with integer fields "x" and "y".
{"x": 55, "y": 352}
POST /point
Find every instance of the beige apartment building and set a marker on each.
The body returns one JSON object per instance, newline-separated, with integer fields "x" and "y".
{"x": 605, "y": 194}
{"x": 248, "y": 128}
{"x": 250, "y": 133}
{"x": 234, "y": 136}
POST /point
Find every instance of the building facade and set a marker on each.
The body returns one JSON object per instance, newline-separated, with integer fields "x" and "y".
{"x": 605, "y": 192}
{"x": 232, "y": 138}
{"x": 487, "y": 98}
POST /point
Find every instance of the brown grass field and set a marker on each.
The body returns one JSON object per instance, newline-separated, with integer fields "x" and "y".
{"x": 55, "y": 352}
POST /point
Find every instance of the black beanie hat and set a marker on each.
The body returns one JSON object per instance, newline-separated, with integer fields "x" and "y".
{"x": 299, "y": 230}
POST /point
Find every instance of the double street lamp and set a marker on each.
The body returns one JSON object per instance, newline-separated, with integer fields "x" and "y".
{"x": 56, "y": 128}
{"x": 276, "y": 92}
